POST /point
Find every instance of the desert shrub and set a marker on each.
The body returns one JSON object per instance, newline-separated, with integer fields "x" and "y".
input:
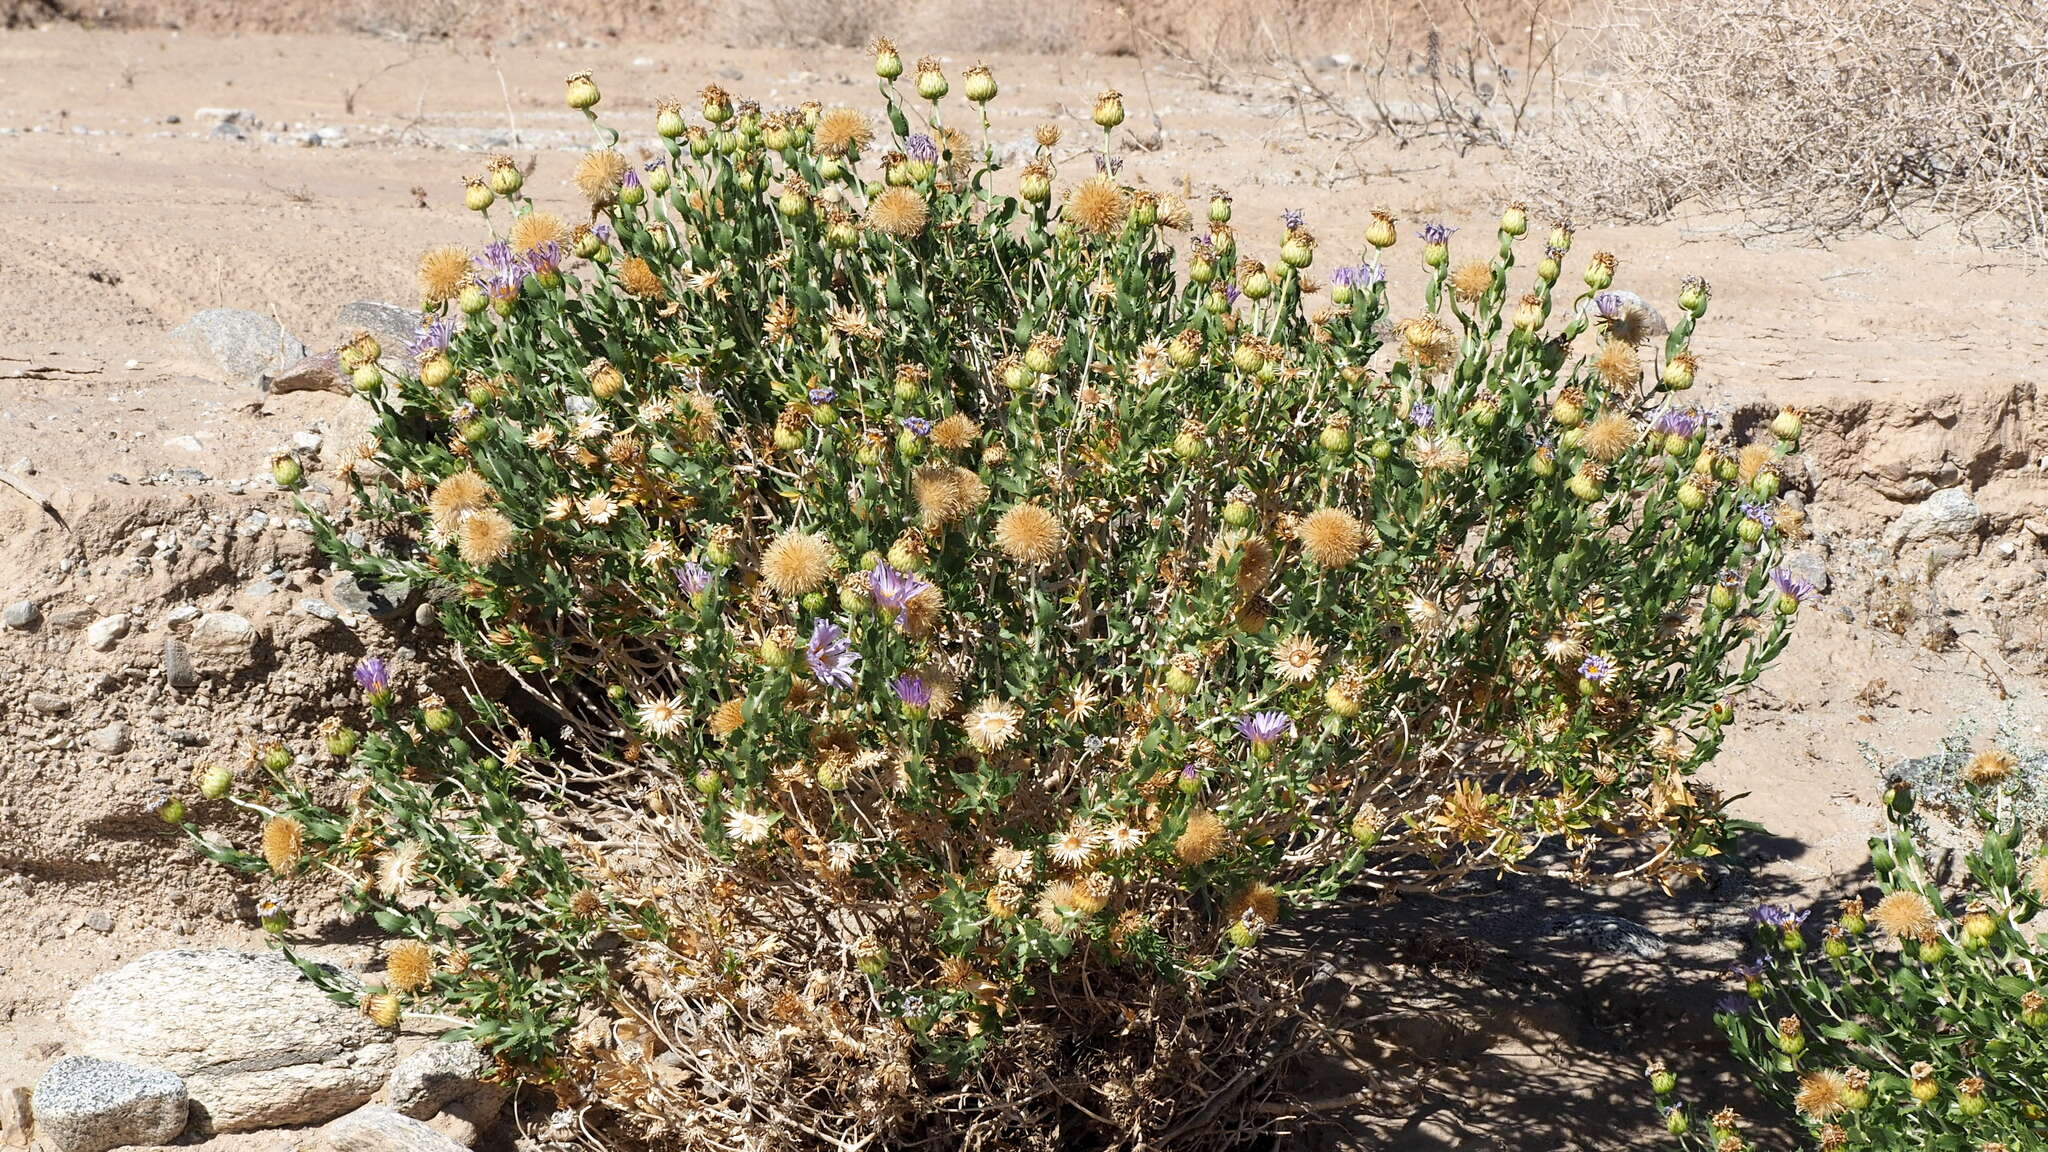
{"x": 1815, "y": 115}
{"x": 1916, "y": 1019}
{"x": 949, "y": 624}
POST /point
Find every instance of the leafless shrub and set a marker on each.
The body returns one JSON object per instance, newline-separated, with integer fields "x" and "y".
{"x": 1816, "y": 116}
{"x": 1469, "y": 77}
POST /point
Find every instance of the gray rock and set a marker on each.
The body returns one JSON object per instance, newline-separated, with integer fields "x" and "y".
{"x": 1809, "y": 566}
{"x": 178, "y": 669}
{"x": 237, "y": 345}
{"x": 364, "y": 596}
{"x": 257, "y": 1044}
{"x": 48, "y": 703}
{"x": 21, "y": 614}
{"x": 112, "y": 739}
{"x": 442, "y": 1074}
{"x": 1610, "y": 934}
{"x": 1949, "y": 514}
{"x": 319, "y": 609}
{"x": 104, "y": 632}
{"x": 320, "y": 372}
{"x": 69, "y": 618}
{"x": 374, "y": 1129}
{"x": 87, "y": 1105}
{"x": 100, "y": 922}
{"x": 226, "y": 634}
{"x": 392, "y": 325}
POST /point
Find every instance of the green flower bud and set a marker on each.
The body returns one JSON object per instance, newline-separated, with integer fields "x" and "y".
{"x": 583, "y": 94}
{"x": 472, "y": 300}
{"x": 215, "y": 780}
{"x": 1237, "y": 514}
{"x": 1109, "y": 110}
{"x": 1334, "y": 440}
{"x": 708, "y": 781}
{"x": 668, "y": 121}
{"x": 287, "y": 471}
{"x": 477, "y": 196}
{"x": 367, "y": 378}
{"x": 981, "y": 84}
{"x": 341, "y": 743}
{"x": 1219, "y": 209}
{"x": 441, "y": 720}
{"x": 171, "y": 811}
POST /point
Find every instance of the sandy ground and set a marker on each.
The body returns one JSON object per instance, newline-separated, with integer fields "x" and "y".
{"x": 123, "y": 210}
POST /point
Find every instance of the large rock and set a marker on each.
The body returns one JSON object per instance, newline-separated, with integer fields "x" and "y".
{"x": 235, "y": 345}
{"x": 257, "y": 1044}
{"x": 1949, "y": 514}
{"x": 87, "y": 1105}
{"x": 445, "y": 1085}
{"x": 320, "y": 372}
{"x": 374, "y": 1129}
{"x": 393, "y": 326}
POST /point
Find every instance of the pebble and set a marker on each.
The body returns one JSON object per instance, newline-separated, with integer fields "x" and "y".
{"x": 182, "y": 614}
{"x": 178, "y": 669}
{"x": 106, "y": 631}
{"x": 112, "y": 739}
{"x": 21, "y": 614}
{"x": 99, "y": 922}
{"x": 319, "y": 608}
{"x": 49, "y": 704}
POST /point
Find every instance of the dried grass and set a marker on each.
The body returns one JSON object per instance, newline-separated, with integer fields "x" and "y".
{"x": 1815, "y": 116}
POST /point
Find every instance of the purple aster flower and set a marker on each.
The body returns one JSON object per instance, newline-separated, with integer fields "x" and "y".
{"x": 1679, "y": 422}
{"x": 603, "y": 231}
{"x": 1292, "y": 217}
{"x": 1610, "y": 305}
{"x": 1436, "y": 232}
{"x": 1421, "y": 415}
{"x": 693, "y": 578}
{"x": 921, "y": 147}
{"x": 1357, "y": 276}
{"x": 1800, "y": 591}
{"x": 1760, "y": 514}
{"x": 1231, "y": 292}
{"x": 630, "y": 180}
{"x": 823, "y": 395}
{"x": 893, "y": 591}
{"x": 917, "y": 426}
{"x": 830, "y": 656}
{"x": 373, "y": 675}
{"x": 1732, "y": 1004}
{"x": 1202, "y": 245}
{"x": 545, "y": 258}
{"x": 654, "y": 165}
{"x": 1599, "y": 669}
{"x": 503, "y": 271}
{"x": 1111, "y": 165}
{"x": 913, "y": 691}
{"x": 1772, "y": 916}
{"x": 1748, "y": 970}
{"x": 431, "y": 337}
{"x": 1262, "y": 728}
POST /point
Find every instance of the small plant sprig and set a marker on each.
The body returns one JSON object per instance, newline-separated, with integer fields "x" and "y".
{"x": 1916, "y": 1022}
{"x": 974, "y": 612}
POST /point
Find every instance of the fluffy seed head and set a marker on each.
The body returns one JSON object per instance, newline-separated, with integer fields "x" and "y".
{"x": 537, "y": 230}
{"x": 727, "y": 718}
{"x": 1098, "y": 206}
{"x": 955, "y": 432}
{"x": 798, "y": 562}
{"x": 1202, "y": 839}
{"x": 899, "y": 212}
{"x": 1619, "y": 364}
{"x": 485, "y": 536}
{"x": 1990, "y": 766}
{"x": 442, "y": 273}
{"x": 1822, "y": 1094}
{"x": 1330, "y": 537}
{"x": 1260, "y": 901}
{"x": 841, "y": 130}
{"x": 409, "y": 966}
{"x": 637, "y": 277}
{"x": 465, "y": 491}
{"x": 599, "y": 174}
{"x": 1029, "y": 534}
{"x": 283, "y": 838}
{"x": 1905, "y": 915}
{"x": 947, "y": 492}
{"x": 1471, "y": 281}
{"x": 1609, "y": 436}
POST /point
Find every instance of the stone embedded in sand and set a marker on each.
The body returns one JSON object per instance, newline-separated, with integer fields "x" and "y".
{"x": 227, "y": 639}
{"x": 1949, "y": 514}
{"x": 444, "y": 1085}
{"x": 375, "y": 1129}
{"x": 102, "y": 633}
{"x": 235, "y": 345}
{"x": 320, "y": 372}
{"x": 21, "y": 615}
{"x": 393, "y": 326}
{"x": 87, "y": 1105}
{"x": 178, "y": 669}
{"x": 257, "y": 1044}
{"x": 113, "y": 739}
